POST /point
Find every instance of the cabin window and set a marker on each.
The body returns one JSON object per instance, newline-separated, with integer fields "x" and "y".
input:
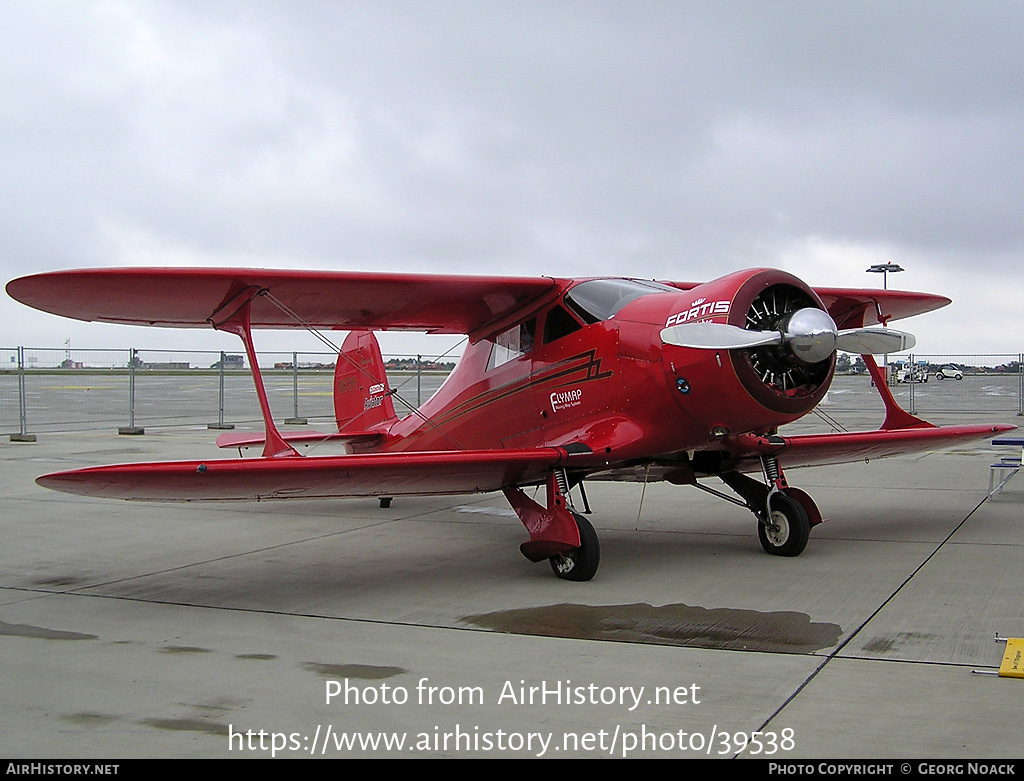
{"x": 600, "y": 299}
{"x": 513, "y": 343}
{"x": 559, "y": 323}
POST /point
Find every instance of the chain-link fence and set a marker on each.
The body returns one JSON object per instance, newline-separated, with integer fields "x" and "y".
{"x": 50, "y": 389}
{"x": 936, "y": 383}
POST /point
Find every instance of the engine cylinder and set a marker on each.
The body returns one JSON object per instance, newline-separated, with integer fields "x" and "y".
{"x": 794, "y": 377}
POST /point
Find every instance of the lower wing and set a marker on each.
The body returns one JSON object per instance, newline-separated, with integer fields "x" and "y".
{"x": 382, "y": 474}
{"x": 847, "y": 447}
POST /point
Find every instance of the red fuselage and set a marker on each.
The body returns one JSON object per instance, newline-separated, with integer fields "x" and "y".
{"x": 610, "y": 384}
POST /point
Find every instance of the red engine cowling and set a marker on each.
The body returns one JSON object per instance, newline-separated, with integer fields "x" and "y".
{"x": 709, "y": 382}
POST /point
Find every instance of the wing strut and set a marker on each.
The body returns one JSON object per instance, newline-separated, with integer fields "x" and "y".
{"x": 233, "y": 317}
{"x": 895, "y": 416}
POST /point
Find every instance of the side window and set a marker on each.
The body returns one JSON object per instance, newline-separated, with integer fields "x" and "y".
{"x": 511, "y": 344}
{"x": 559, "y": 323}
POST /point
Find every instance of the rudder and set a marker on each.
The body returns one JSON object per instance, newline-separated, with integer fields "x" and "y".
{"x": 362, "y": 398}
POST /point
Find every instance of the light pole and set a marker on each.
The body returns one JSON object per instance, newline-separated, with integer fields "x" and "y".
{"x": 885, "y": 269}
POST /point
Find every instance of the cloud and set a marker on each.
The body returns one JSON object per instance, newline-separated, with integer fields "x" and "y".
{"x": 657, "y": 139}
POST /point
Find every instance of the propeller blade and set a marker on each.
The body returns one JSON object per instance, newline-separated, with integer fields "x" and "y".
{"x": 717, "y": 336}
{"x": 874, "y": 341}
{"x": 810, "y": 333}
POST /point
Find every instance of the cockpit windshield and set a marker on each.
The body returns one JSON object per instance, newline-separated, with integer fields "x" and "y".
{"x": 600, "y": 299}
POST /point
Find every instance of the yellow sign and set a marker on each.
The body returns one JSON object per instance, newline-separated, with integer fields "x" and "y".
{"x": 1013, "y": 659}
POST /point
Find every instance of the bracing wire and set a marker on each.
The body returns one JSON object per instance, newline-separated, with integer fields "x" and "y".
{"x": 334, "y": 348}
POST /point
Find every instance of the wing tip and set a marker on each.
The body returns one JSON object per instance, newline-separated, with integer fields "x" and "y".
{"x": 69, "y": 482}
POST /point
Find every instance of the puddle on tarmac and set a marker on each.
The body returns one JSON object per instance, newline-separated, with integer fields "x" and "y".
{"x": 89, "y": 719}
{"x": 184, "y": 649}
{"x": 881, "y": 644}
{"x": 60, "y": 580}
{"x": 369, "y": 672}
{"x": 40, "y": 632}
{"x": 698, "y": 627}
{"x": 188, "y": 725}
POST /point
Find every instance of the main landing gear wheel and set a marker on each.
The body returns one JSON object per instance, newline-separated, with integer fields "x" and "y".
{"x": 581, "y": 563}
{"x": 788, "y": 529}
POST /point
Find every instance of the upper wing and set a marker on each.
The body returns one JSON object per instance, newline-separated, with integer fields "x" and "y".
{"x": 857, "y": 308}
{"x": 382, "y": 474}
{"x": 853, "y": 308}
{"x": 189, "y": 297}
{"x": 449, "y": 304}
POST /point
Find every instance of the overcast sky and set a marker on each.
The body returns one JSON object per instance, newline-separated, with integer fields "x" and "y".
{"x": 674, "y": 140}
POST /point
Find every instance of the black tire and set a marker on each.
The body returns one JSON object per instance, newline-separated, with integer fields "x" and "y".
{"x": 790, "y": 528}
{"x": 580, "y": 564}
{"x": 939, "y": 376}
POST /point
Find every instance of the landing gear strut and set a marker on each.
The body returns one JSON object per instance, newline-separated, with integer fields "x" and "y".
{"x": 784, "y": 515}
{"x": 557, "y": 533}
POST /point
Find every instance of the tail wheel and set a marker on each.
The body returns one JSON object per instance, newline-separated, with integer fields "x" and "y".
{"x": 787, "y": 529}
{"x": 581, "y": 563}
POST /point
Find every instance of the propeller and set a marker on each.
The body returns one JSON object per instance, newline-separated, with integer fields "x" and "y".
{"x": 810, "y": 334}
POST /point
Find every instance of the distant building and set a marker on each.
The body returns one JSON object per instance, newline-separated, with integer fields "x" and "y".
{"x": 164, "y": 365}
{"x": 138, "y": 363}
{"x": 303, "y": 366}
{"x": 409, "y": 364}
{"x": 230, "y": 362}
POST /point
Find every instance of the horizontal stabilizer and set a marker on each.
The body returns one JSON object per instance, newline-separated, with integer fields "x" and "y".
{"x": 251, "y": 439}
{"x": 381, "y": 474}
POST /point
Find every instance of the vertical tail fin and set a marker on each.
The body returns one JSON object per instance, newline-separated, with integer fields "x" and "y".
{"x": 362, "y": 399}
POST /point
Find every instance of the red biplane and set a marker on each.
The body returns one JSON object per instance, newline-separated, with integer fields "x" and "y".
{"x": 562, "y": 381}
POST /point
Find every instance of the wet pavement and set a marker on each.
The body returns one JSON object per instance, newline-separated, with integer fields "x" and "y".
{"x": 330, "y": 627}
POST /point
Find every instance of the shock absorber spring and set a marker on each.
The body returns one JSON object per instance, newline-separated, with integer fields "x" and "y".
{"x": 774, "y": 480}
{"x": 563, "y": 485}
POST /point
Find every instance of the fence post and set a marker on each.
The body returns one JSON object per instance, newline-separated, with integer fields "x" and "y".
{"x": 22, "y": 435}
{"x": 295, "y": 420}
{"x": 419, "y": 374}
{"x": 1020, "y": 384}
{"x": 220, "y": 424}
{"x": 131, "y": 428}
{"x": 912, "y": 377}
